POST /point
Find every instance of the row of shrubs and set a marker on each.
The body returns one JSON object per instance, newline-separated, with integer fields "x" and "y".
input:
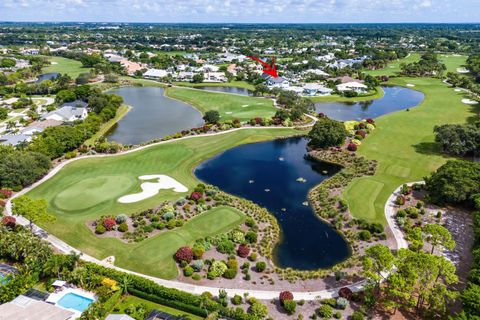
{"x": 174, "y": 298}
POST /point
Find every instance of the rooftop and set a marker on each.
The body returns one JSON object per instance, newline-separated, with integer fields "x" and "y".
{"x": 25, "y": 308}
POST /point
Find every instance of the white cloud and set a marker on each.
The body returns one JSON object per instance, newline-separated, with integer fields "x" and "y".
{"x": 238, "y": 10}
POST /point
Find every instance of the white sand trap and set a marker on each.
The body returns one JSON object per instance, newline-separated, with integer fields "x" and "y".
{"x": 457, "y": 90}
{"x": 229, "y": 112}
{"x": 54, "y": 62}
{"x": 149, "y": 189}
{"x": 462, "y": 70}
{"x": 469, "y": 101}
{"x": 410, "y": 85}
{"x": 245, "y": 105}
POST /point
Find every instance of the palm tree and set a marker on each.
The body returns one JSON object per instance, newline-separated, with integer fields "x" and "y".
{"x": 124, "y": 283}
{"x": 74, "y": 258}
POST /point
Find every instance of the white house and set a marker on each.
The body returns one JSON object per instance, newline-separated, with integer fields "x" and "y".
{"x": 278, "y": 82}
{"x": 155, "y": 74}
{"x": 72, "y": 111}
{"x": 311, "y": 89}
{"x": 215, "y": 77}
{"x": 352, "y": 86}
{"x": 295, "y": 89}
{"x": 317, "y": 72}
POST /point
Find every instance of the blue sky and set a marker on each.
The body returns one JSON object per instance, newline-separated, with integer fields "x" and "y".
{"x": 271, "y": 11}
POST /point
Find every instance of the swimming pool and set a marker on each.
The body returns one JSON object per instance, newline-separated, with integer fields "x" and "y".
{"x": 74, "y": 301}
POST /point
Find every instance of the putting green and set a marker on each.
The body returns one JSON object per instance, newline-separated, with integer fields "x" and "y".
{"x": 87, "y": 193}
{"x": 88, "y": 188}
{"x": 404, "y": 145}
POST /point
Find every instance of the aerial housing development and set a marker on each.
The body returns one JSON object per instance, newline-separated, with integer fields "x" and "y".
{"x": 238, "y": 170}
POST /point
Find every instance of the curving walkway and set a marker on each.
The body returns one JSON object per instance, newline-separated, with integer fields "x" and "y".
{"x": 196, "y": 289}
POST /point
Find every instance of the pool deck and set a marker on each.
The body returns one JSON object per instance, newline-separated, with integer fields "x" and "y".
{"x": 56, "y": 296}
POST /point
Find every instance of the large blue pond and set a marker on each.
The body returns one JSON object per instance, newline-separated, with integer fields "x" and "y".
{"x": 153, "y": 115}
{"x": 395, "y": 98}
{"x": 249, "y": 170}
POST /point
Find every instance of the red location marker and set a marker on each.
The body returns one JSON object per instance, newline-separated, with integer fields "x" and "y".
{"x": 268, "y": 69}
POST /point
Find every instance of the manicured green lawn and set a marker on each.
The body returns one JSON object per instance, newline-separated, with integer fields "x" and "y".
{"x": 121, "y": 112}
{"x": 230, "y": 106}
{"x": 393, "y": 68}
{"x": 239, "y": 84}
{"x": 404, "y": 146}
{"x": 129, "y": 300}
{"x": 379, "y": 93}
{"x": 452, "y": 62}
{"x": 63, "y": 65}
{"x": 89, "y": 188}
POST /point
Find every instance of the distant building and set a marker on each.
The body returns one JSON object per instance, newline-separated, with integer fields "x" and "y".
{"x": 25, "y": 308}
{"x": 69, "y": 112}
{"x": 155, "y": 74}
{"x": 14, "y": 140}
{"x": 312, "y": 89}
{"x": 352, "y": 86}
{"x": 278, "y": 82}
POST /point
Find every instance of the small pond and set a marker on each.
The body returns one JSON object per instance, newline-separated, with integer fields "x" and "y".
{"x": 395, "y": 98}
{"x": 266, "y": 173}
{"x": 152, "y": 116}
{"x": 47, "y": 76}
{"x": 235, "y": 90}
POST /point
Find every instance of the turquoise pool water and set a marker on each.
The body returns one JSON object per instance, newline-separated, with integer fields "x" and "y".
{"x": 75, "y": 301}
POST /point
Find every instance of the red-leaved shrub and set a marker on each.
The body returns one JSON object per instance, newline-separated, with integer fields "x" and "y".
{"x": 321, "y": 115}
{"x": 285, "y": 295}
{"x": 9, "y": 221}
{"x": 184, "y": 254}
{"x": 361, "y": 133}
{"x": 361, "y": 125}
{"x": 370, "y": 120}
{"x": 195, "y": 195}
{"x": 345, "y": 293}
{"x": 352, "y": 147}
{"x": 2, "y": 203}
{"x": 258, "y": 120}
{"x": 109, "y": 223}
{"x": 243, "y": 251}
{"x": 6, "y": 193}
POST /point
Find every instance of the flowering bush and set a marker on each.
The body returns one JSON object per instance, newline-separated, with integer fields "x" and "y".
{"x": 243, "y": 251}
{"x": 195, "y": 195}
{"x": 352, "y": 147}
{"x": 284, "y": 296}
{"x": 357, "y": 142}
{"x": 5, "y": 193}
{"x": 217, "y": 268}
{"x": 361, "y": 133}
{"x": 109, "y": 223}
{"x": 184, "y": 254}
{"x": 9, "y": 221}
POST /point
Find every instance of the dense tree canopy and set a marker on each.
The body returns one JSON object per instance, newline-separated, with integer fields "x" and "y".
{"x": 327, "y": 133}
{"x": 458, "y": 139}
{"x": 456, "y": 182}
{"x": 21, "y": 168}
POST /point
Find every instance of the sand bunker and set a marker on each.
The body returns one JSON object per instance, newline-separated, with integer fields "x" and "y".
{"x": 469, "y": 101}
{"x": 229, "y": 112}
{"x": 462, "y": 70}
{"x": 245, "y": 105}
{"x": 457, "y": 90}
{"x": 410, "y": 85}
{"x": 149, "y": 189}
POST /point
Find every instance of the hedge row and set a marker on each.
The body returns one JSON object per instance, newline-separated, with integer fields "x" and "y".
{"x": 184, "y": 301}
{"x": 169, "y": 303}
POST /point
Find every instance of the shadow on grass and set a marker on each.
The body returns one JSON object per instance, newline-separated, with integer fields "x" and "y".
{"x": 428, "y": 148}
